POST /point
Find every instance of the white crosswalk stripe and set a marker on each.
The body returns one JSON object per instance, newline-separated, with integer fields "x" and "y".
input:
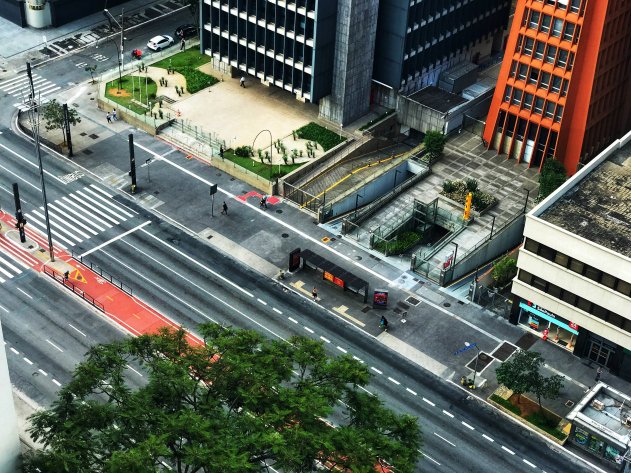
{"x": 9, "y": 266}
{"x": 80, "y": 216}
{"x": 19, "y": 88}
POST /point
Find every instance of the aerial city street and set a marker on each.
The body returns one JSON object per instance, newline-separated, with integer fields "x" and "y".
{"x": 296, "y": 236}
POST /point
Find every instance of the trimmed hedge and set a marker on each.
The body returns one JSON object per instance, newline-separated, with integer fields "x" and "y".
{"x": 326, "y": 138}
{"x": 546, "y": 424}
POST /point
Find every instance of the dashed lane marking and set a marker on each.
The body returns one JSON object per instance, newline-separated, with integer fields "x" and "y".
{"x": 308, "y": 330}
{"x": 532, "y": 465}
{"x": 277, "y": 311}
{"x": 508, "y": 450}
{"x": 443, "y": 438}
{"x": 429, "y": 402}
{"x": 358, "y": 359}
{"x": 430, "y": 458}
{"x": 23, "y": 292}
{"x": 75, "y": 328}
{"x": 470, "y": 427}
{"x": 293, "y": 320}
{"x": 51, "y": 343}
{"x": 393, "y": 381}
{"x": 325, "y": 339}
{"x": 488, "y": 438}
{"x": 261, "y": 301}
{"x": 376, "y": 370}
{"x": 57, "y": 382}
{"x": 27, "y": 360}
{"x": 15, "y": 351}
{"x": 413, "y": 393}
{"x": 448, "y": 413}
{"x": 43, "y": 372}
{"x": 342, "y": 349}
{"x": 6, "y": 310}
{"x": 135, "y": 371}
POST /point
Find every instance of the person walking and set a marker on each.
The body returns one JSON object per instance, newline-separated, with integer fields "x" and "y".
{"x": 182, "y": 44}
{"x": 599, "y": 372}
{"x": 242, "y": 81}
{"x": 224, "y": 210}
{"x": 314, "y": 293}
{"x": 114, "y": 117}
{"x": 109, "y": 118}
{"x": 383, "y": 323}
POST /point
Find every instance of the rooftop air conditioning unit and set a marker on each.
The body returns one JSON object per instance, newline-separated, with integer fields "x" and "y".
{"x": 598, "y": 405}
{"x": 627, "y": 422}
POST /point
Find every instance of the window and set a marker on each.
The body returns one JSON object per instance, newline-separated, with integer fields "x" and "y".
{"x": 613, "y": 318}
{"x": 568, "y": 297}
{"x": 528, "y": 101}
{"x": 523, "y": 70}
{"x": 549, "y": 113}
{"x": 554, "y": 291}
{"x": 517, "y": 94}
{"x": 599, "y": 311}
{"x": 577, "y": 266}
{"x": 547, "y": 252}
{"x": 528, "y": 44}
{"x": 539, "y": 50}
{"x": 545, "y": 23}
{"x": 608, "y": 280}
{"x": 564, "y": 88}
{"x": 534, "y": 75}
{"x": 574, "y": 5}
{"x": 534, "y": 19}
{"x": 557, "y": 24}
{"x": 584, "y": 305}
{"x": 507, "y": 93}
{"x": 531, "y": 245}
{"x": 568, "y": 32}
{"x": 513, "y": 68}
{"x": 577, "y": 34}
{"x": 538, "y": 105}
{"x": 558, "y": 114}
{"x": 525, "y": 276}
{"x": 556, "y": 84}
{"x": 545, "y": 80}
{"x": 624, "y": 287}
{"x": 562, "y": 58}
{"x": 570, "y": 63}
{"x": 592, "y": 273}
{"x": 551, "y": 54}
{"x": 561, "y": 259}
{"x": 539, "y": 283}
{"x": 520, "y": 41}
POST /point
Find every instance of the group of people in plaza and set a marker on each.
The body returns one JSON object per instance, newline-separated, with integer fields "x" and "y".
{"x": 111, "y": 116}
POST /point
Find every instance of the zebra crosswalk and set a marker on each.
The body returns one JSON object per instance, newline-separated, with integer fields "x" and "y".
{"x": 13, "y": 262}
{"x": 79, "y": 216}
{"x": 19, "y": 88}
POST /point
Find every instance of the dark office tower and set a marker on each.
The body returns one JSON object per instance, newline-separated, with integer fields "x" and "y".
{"x": 563, "y": 90}
{"x": 418, "y": 39}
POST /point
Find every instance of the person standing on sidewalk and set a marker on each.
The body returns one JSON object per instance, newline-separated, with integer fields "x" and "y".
{"x": 224, "y": 210}
{"x": 314, "y": 293}
{"x": 182, "y": 44}
{"x": 114, "y": 117}
{"x": 599, "y": 372}
{"x": 109, "y": 118}
{"x": 242, "y": 82}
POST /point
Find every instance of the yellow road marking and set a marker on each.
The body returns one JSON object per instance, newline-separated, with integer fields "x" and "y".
{"x": 342, "y": 311}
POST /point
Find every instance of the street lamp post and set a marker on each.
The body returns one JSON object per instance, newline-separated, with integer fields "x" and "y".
{"x": 477, "y": 356}
{"x": 120, "y": 51}
{"x": 147, "y": 162}
{"x": 271, "y": 144}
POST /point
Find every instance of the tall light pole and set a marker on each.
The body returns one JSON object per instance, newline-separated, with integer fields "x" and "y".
{"x": 477, "y": 356}
{"x": 271, "y": 144}
{"x": 121, "y": 63}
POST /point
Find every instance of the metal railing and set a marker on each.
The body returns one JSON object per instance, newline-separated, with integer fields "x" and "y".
{"x": 57, "y": 276}
{"x": 102, "y": 273}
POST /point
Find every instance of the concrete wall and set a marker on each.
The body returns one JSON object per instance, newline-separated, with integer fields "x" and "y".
{"x": 9, "y": 439}
{"x": 13, "y": 11}
{"x": 419, "y": 117}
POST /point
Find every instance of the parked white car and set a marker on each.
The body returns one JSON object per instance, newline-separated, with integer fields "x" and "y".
{"x": 158, "y": 43}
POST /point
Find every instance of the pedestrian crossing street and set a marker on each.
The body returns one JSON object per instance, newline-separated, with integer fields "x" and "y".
{"x": 79, "y": 216}
{"x": 19, "y": 88}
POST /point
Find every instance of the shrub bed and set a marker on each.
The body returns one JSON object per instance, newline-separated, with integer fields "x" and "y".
{"x": 326, "y": 138}
{"x": 506, "y": 404}
{"x": 186, "y": 63}
{"x": 458, "y": 190}
{"x": 124, "y": 97}
{"x": 401, "y": 244}
{"x": 546, "y": 424}
{"x": 262, "y": 169}
{"x": 378, "y": 119}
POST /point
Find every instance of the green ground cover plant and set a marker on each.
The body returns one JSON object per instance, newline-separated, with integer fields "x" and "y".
{"x": 186, "y": 63}
{"x": 124, "y": 96}
{"x": 401, "y": 244}
{"x": 326, "y": 138}
{"x": 262, "y": 169}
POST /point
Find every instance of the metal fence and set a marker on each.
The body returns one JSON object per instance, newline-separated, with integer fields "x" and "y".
{"x": 57, "y": 276}
{"x": 102, "y": 273}
{"x": 303, "y": 198}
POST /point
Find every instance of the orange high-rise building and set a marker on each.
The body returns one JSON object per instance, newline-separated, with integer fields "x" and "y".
{"x": 564, "y": 88}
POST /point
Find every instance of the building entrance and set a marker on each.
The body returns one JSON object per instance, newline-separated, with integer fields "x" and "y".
{"x": 600, "y": 352}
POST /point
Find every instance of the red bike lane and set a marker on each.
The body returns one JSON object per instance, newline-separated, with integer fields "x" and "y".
{"x": 135, "y": 316}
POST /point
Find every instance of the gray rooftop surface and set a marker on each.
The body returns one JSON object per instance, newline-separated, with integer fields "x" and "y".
{"x": 598, "y": 208}
{"x": 437, "y": 99}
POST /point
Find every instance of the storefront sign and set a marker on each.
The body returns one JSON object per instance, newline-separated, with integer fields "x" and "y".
{"x": 581, "y": 436}
{"x": 334, "y": 279}
{"x": 533, "y": 322}
{"x": 537, "y": 311}
{"x": 380, "y": 299}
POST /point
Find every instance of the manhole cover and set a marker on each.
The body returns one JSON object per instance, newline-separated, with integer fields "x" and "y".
{"x": 83, "y": 133}
{"x": 447, "y": 304}
{"x": 504, "y": 351}
{"x": 333, "y": 239}
{"x": 279, "y": 211}
{"x": 358, "y": 258}
{"x": 93, "y": 136}
{"x": 569, "y": 403}
{"x": 483, "y": 361}
{"x": 87, "y": 151}
{"x": 232, "y": 178}
{"x": 91, "y": 98}
{"x": 285, "y": 235}
{"x": 30, "y": 247}
{"x": 209, "y": 237}
{"x": 156, "y": 192}
{"x": 460, "y": 302}
{"x": 42, "y": 250}
{"x": 365, "y": 309}
{"x": 413, "y": 301}
{"x": 219, "y": 174}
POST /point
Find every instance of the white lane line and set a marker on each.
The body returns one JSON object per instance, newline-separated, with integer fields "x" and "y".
{"x": 358, "y": 359}
{"x": 32, "y": 164}
{"x": 72, "y": 326}
{"x": 342, "y": 349}
{"x": 194, "y": 261}
{"x": 532, "y": 465}
{"x": 27, "y": 295}
{"x": 54, "y": 345}
{"x": 325, "y": 339}
{"x": 137, "y": 372}
{"x": 508, "y": 450}
{"x": 15, "y": 351}
{"x": 27, "y": 360}
{"x": 488, "y": 438}
{"x": 261, "y": 301}
{"x": 443, "y": 438}
{"x": 43, "y": 372}
{"x": 425, "y": 455}
{"x": 57, "y": 382}
{"x": 393, "y": 381}
{"x": 429, "y": 402}
{"x": 309, "y": 330}
{"x": 470, "y": 427}
{"x": 293, "y": 320}
{"x": 376, "y": 370}
{"x": 447, "y": 413}
{"x": 122, "y": 235}
{"x": 413, "y": 393}
{"x": 277, "y": 311}
{"x": 3, "y": 308}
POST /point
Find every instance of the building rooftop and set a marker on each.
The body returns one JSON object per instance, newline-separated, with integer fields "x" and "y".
{"x": 598, "y": 207}
{"x": 437, "y": 99}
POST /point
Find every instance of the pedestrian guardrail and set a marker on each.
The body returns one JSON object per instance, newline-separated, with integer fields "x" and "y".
{"x": 59, "y": 277}
{"x": 102, "y": 273}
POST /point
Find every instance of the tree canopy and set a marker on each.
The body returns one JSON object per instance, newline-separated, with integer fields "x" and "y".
{"x": 235, "y": 405}
{"x": 522, "y": 374}
{"x": 53, "y": 113}
{"x": 553, "y": 174}
{"x": 434, "y": 142}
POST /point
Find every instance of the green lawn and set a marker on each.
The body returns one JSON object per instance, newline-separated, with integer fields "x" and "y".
{"x": 186, "y": 63}
{"x": 125, "y": 96}
{"x": 255, "y": 165}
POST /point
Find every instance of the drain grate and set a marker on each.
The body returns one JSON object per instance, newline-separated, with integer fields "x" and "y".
{"x": 484, "y": 360}
{"x": 365, "y": 309}
{"x": 413, "y": 301}
{"x": 569, "y": 403}
{"x": 88, "y": 151}
{"x": 504, "y": 351}
{"x": 526, "y": 341}
{"x": 93, "y": 136}
{"x": 403, "y": 305}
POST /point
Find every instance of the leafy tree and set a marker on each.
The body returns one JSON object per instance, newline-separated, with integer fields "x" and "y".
{"x": 434, "y": 142}
{"x": 235, "y": 405}
{"x": 91, "y": 70}
{"x": 504, "y": 270}
{"x": 553, "y": 174}
{"x": 521, "y": 374}
{"x": 54, "y": 116}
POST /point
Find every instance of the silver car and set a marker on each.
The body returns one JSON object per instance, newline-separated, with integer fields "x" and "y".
{"x": 157, "y": 43}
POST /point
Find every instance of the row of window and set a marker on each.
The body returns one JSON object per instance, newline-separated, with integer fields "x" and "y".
{"x": 540, "y": 79}
{"x": 575, "y": 5}
{"x": 547, "y": 53}
{"x": 578, "y": 266}
{"x": 574, "y": 300}
{"x": 528, "y": 101}
{"x": 547, "y": 24}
